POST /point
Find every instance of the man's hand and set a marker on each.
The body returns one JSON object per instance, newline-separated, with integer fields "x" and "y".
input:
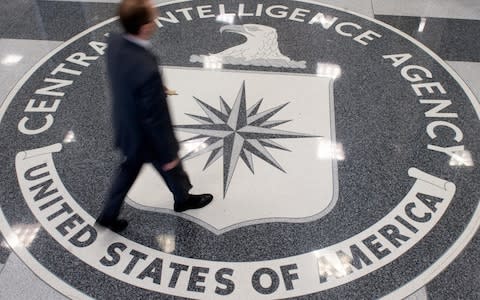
{"x": 168, "y": 166}
{"x": 170, "y": 92}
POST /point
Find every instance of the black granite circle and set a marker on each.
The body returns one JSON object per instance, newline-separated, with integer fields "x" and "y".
{"x": 379, "y": 121}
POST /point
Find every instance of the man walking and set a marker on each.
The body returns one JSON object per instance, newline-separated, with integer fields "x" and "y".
{"x": 142, "y": 125}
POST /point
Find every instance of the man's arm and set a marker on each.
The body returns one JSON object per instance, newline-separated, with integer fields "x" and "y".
{"x": 156, "y": 121}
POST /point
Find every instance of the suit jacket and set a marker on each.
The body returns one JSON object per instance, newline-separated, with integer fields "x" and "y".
{"x": 141, "y": 118}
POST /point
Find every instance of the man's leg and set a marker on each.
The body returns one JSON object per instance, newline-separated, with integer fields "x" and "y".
{"x": 176, "y": 180}
{"x": 125, "y": 176}
{"x": 179, "y": 184}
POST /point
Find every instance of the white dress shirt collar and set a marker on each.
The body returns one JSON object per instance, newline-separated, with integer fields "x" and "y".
{"x": 143, "y": 43}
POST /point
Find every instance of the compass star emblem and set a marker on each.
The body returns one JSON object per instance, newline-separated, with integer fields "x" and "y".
{"x": 237, "y": 132}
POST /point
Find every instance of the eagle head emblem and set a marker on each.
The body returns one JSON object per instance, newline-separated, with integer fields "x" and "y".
{"x": 260, "y": 49}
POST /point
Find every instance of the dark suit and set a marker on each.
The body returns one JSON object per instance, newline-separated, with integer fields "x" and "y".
{"x": 141, "y": 121}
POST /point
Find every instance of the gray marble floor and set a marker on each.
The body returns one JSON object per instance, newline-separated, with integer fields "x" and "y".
{"x": 17, "y": 281}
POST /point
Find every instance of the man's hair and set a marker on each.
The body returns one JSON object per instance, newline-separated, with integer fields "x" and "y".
{"x": 134, "y": 14}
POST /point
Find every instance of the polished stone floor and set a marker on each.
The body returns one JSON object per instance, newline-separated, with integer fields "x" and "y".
{"x": 340, "y": 140}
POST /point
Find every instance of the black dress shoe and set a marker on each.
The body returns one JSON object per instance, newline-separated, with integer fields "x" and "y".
{"x": 193, "y": 202}
{"x": 115, "y": 226}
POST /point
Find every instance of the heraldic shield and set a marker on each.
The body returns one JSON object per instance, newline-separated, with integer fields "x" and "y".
{"x": 263, "y": 143}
